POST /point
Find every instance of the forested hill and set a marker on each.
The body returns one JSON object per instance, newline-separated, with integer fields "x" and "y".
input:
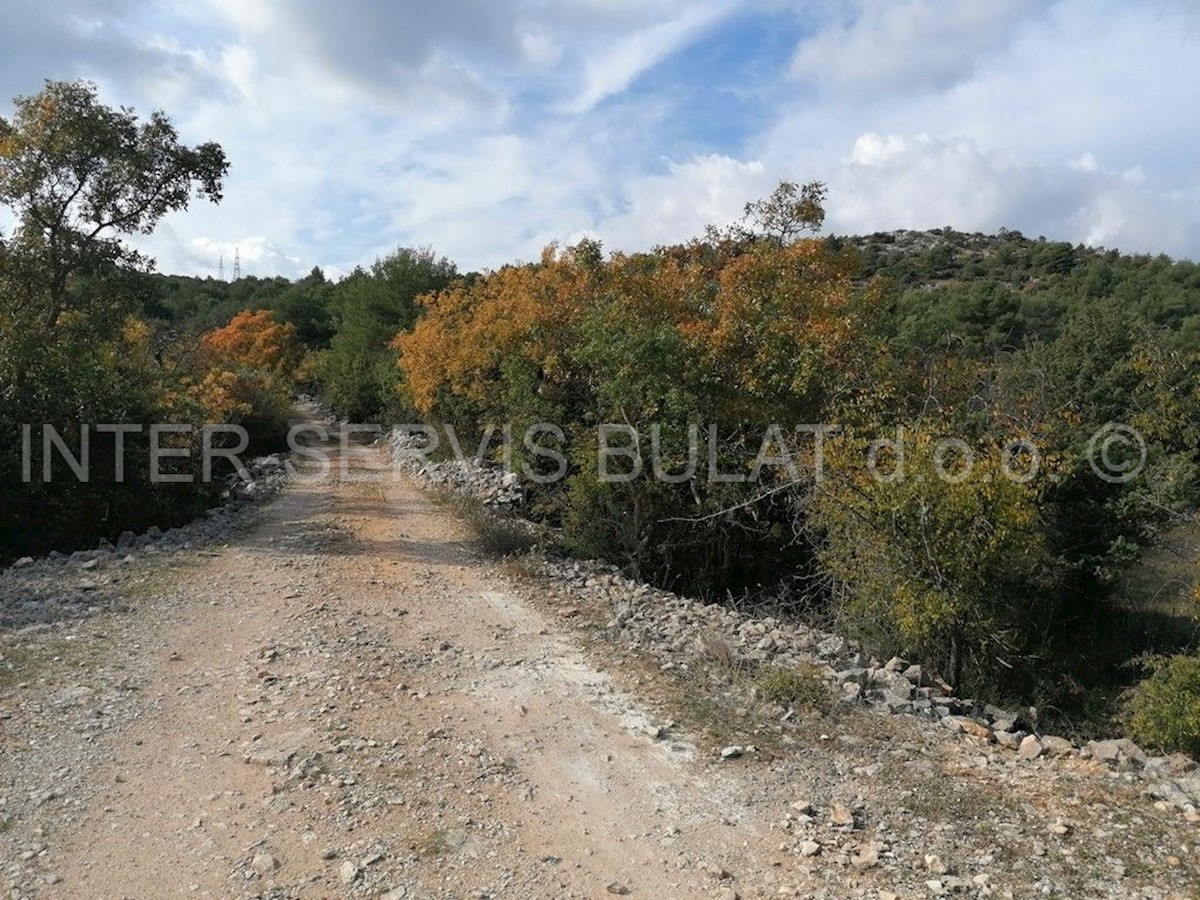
{"x": 989, "y": 291}
{"x": 201, "y": 304}
{"x": 998, "y": 290}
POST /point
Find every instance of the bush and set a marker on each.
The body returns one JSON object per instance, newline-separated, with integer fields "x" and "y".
{"x": 498, "y": 534}
{"x": 1163, "y": 711}
{"x": 929, "y": 565}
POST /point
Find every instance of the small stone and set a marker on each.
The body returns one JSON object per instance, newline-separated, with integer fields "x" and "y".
{"x": 841, "y": 815}
{"x": 1120, "y": 751}
{"x": 1031, "y": 748}
{"x": 716, "y": 870}
{"x": 732, "y": 752}
{"x": 1057, "y": 746}
{"x": 969, "y": 726}
{"x": 1008, "y": 740}
{"x": 809, "y": 848}
{"x": 867, "y": 858}
{"x": 348, "y": 872}
{"x": 615, "y": 887}
{"x": 934, "y": 865}
{"x": 264, "y": 863}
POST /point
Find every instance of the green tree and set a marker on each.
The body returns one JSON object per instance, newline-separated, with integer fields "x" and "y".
{"x": 306, "y": 305}
{"x": 80, "y": 176}
{"x": 369, "y": 308}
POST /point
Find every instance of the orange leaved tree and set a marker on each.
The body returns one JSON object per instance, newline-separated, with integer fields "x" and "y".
{"x": 249, "y": 373}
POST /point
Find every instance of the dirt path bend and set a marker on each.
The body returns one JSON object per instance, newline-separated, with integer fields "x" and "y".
{"x": 349, "y": 701}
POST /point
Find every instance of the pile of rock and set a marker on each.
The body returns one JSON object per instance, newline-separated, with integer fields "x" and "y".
{"x": 481, "y": 479}
{"x": 676, "y": 630}
{"x": 268, "y": 475}
{"x": 38, "y": 591}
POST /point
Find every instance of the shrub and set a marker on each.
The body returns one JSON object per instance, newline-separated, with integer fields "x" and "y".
{"x": 498, "y": 534}
{"x": 1163, "y": 710}
{"x": 930, "y": 565}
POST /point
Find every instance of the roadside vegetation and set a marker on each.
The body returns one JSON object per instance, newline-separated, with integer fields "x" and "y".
{"x": 1010, "y": 385}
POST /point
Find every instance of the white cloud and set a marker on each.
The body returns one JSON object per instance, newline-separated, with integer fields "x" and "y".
{"x": 612, "y": 68}
{"x": 898, "y": 181}
{"x": 677, "y": 205}
{"x": 487, "y": 130}
{"x": 898, "y": 45}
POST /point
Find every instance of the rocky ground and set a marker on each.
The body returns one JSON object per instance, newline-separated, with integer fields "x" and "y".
{"x": 335, "y": 694}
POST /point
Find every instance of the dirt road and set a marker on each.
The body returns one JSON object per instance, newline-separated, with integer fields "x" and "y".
{"x": 349, "y": 700}
{"x": 353, "y": 701}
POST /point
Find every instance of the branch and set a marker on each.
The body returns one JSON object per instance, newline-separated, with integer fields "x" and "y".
{"x": 722, "y": 512}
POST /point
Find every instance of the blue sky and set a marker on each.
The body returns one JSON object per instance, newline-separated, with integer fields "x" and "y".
{"x": 488, "y": 129}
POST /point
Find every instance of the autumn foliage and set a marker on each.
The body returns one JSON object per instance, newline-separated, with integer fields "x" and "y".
{"x": 739, "y": 333}
{"x": 983, "y": 577}
{"x": 255, "y": 341}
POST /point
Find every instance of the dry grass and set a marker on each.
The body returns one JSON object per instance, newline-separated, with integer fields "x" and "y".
{"x": 498, "y": 534}
{"x": 435, "y": 843}
{"x": 802, "y": 689}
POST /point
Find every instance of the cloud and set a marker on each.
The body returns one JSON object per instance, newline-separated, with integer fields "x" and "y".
{"x": 487, "y": 130}
{"x": 918, "y": 181}
{"x": 890, "y": 46}
{"x": 611, "y": 70}
{"x": 80, "y": 39}
{"x": 679, "y": 203}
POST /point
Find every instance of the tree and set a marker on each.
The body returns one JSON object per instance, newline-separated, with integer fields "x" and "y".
{"x": 305, "y": 305}
{"x": 80, "y": 176}
{"x": 255, "y": 340}
{"x": 368, "y": 309}
{"x": 791, "y": 210}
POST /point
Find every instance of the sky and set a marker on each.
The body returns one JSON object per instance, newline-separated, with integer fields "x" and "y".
{"x": 488, "y": 129}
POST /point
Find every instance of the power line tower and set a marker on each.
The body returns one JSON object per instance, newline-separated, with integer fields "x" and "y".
{"x": 221, "y": 269}
{"x": 237, "y": 264}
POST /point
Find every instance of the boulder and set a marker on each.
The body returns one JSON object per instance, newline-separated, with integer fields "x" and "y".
{"x": 1057, "y": 746}
{"x": 1119, "y": 752}
{"x": 1030, "y": 748}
